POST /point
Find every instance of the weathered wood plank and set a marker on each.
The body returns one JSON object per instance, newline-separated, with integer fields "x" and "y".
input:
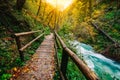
{"x": 42, "y": 64}
{"x": 27, "y": 45}
{"x": 26, "y": 33}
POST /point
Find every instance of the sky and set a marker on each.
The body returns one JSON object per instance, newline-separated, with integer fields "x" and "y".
{"x": 61, "y": 4}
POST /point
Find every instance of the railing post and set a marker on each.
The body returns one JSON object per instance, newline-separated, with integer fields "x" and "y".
{"x": 58, "y": 46}
{"x": 19, "y": 46}
{"x": 90, "y": 75}
{"x": 64, "y": 63}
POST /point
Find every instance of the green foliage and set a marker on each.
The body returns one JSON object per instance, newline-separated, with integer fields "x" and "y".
{"x": 5, "y": 59}
{"x": 64, "y": 30}
{"x": 57, "y": 75}
{"x": 31, "y": 52}
{"x": 59, "y": 55}
{"x": 73, "y": 73}
{"x": 110, "y": 15}
{"x": 32, "y": 6}
{"x": 9, "y": 59}
{"x": 47, "y": 30}
{"x": 5, "y": 76}
{"x": 117, "y": 26}
{"x": 18, "y": 62}
{"x": 33, "y": 47}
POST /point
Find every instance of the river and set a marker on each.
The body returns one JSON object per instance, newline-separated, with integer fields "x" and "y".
{"x": 105, "y": 68}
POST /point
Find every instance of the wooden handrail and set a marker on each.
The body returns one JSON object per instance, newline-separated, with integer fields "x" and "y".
{"x": 27, "y": 45}
{"x": 60, "y": 40}
{"x": 26, "y": 33}
{"x": 90, "y": 75}
{"x": 18, "y": 42}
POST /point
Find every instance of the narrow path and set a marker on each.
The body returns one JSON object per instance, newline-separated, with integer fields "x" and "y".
{"x": 42, "y": 64}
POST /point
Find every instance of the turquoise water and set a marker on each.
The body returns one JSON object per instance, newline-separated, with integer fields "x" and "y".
{"x": 105, "y": 68}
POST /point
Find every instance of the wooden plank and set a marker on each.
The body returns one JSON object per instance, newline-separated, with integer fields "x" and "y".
{"x": 26, "y": 33}
{"x": 27, "y": 45}
{"x": 90, "y": 75}
{"x": 42, "y": 64}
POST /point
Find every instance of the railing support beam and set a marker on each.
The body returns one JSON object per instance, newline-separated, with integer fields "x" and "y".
{"x": 58, "y": 45}
{"x": 90, "y": 75}
{"x": 18, "y": 42}
{"x": 64, "y": 63}
{"x": 18, "y": 47}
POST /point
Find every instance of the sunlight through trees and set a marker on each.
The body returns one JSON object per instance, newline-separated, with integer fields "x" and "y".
{"x": 93, "y": 22}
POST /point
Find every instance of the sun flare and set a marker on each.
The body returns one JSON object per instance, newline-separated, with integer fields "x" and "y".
{"x": 60, "y": 4}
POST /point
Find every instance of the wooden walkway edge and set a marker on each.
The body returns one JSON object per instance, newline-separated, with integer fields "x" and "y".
{"x": 42, "y": 64}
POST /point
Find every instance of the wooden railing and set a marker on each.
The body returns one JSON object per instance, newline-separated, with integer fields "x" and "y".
{"x": 90, "y": 75}
{"x": 18, "y": 42}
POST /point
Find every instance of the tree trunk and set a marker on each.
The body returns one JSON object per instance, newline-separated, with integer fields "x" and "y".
{"x": 44, "y": 9}
{"x": 50, "y": 19}
{"x": 85, "y": 11}
{"x": 19, "y": 4}
{"x": 90, "y": 8}
{"x": 39, "y": 8}
{"x": 104, "y": 33}
{"x": 118, "y": 4}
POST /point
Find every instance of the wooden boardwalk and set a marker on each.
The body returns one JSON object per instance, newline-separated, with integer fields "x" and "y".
{"x": 42, "y": 64}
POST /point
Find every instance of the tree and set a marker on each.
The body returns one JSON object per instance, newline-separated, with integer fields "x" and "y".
{"x": 45, "y": 4}
{"x": 90, "y": 8}
{"x": 118, "y": 4}
{"x": 39, "y": 8}
{"x": 20, "y": 4}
